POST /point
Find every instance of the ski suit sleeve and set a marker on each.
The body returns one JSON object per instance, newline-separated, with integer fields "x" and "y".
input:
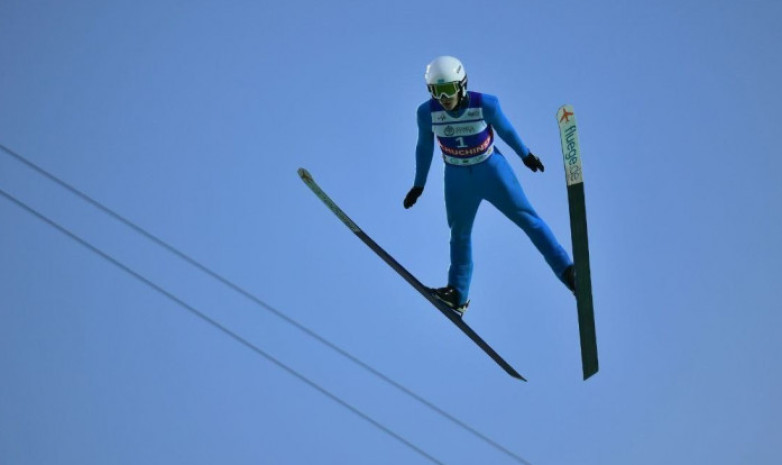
{"x": 494, "y": 116}
{"x": 424, "y": 149}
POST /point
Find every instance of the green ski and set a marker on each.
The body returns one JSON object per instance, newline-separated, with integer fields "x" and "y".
{"x": 568, "y": 131}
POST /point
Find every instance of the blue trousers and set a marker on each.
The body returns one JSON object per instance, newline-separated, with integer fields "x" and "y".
{"x": 493, "y": 180}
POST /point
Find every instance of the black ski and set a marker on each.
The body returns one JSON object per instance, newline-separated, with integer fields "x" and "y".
{"x": 571, "y": 153}
{"x": 425, "y": 291}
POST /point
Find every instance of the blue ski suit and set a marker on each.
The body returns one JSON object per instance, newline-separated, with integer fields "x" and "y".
{"x": 476, "y": 170}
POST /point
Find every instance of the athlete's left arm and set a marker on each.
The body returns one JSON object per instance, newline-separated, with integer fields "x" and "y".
{"x": 493, "y": 115}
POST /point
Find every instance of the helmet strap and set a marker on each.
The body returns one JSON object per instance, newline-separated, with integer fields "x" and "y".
{"x": 463, "y": 91}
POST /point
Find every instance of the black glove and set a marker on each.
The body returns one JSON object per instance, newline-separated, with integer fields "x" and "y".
{"x": 532, "y": 162}
{"x": 412, "y": 196}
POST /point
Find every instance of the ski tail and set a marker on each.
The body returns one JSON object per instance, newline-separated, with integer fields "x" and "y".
{"x": 406, "y": 275}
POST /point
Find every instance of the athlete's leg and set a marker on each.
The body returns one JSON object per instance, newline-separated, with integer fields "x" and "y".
{"x": 507, "y": 195}
{"x": 461, "y": 204}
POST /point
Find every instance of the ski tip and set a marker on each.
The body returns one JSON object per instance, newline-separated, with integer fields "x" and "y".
{"x": 564, "y": 113}
{"x": 304, "y": 174}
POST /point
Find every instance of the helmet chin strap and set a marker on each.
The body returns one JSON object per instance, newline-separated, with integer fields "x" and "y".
{"x": 462, "y": 99}
{"x": 462, "y": 94}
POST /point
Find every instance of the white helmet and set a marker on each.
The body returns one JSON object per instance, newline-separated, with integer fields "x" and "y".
{"x": 445, "y": 75}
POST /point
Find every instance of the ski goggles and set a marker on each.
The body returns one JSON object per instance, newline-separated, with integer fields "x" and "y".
{"x": 446, "y": 89}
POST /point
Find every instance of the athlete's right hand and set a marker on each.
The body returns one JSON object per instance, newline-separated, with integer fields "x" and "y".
{"x": 412, "y": 196}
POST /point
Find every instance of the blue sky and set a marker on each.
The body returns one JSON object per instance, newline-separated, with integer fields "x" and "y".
{"x": 190, "y": 119}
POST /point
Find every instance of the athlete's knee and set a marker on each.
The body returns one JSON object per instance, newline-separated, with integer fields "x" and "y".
{"x": 529, "y": 221}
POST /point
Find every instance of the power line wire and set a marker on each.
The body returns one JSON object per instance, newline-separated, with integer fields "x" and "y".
{"x": 219, "y": 326}
{"x": 264, "y": 305}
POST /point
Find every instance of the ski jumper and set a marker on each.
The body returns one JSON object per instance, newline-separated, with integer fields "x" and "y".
{"x": 476, "y": 170}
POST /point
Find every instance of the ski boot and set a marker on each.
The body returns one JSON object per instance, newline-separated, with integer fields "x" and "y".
{"x": 569, "y": 278}
{"x": 451, "y": 297}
